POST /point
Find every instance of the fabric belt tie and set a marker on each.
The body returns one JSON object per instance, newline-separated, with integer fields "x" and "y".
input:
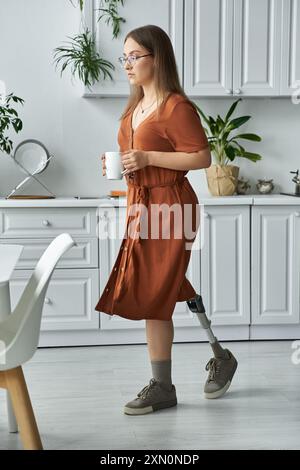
{"x": 143, "y": 193}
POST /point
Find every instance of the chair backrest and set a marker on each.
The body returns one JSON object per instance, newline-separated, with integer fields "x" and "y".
{"x": 23, "y": 325}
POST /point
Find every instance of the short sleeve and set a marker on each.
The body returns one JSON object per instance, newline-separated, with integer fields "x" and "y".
{"x": 184, "y": 129}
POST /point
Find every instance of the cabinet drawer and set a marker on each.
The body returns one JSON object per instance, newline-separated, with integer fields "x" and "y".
{"x": 70, "y": 298}
{"x": 47, "y": 222}
{"x": 84, "y": 255}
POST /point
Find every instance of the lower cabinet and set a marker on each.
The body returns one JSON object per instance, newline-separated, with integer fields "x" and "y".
{"x": 73, "y": 290}
{"x": 225, "y": 264}
{"x": 275, "y": 269}
{"x": 245, "y": 262}
{"x": 83, "y": 255}
{"x": 70, "y": 299}
{"x": 250, "y": 265}
{"x": 246, "y": 266}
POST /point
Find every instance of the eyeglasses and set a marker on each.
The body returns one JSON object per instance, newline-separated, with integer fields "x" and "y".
{"x": 131, "y": 59}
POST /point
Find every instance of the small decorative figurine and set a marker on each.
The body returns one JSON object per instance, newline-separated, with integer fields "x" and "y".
{"x": 265, "y": 186}
{"x": 242, "y": 186}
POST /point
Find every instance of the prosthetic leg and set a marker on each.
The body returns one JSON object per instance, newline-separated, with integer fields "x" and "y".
{"x": 196, "y": 306}
{"x": 223, "y": 366}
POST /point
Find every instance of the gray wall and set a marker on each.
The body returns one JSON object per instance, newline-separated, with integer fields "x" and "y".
{"x": 77, "y": 130}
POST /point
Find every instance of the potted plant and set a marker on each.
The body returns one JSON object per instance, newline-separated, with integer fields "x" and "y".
{"x": 222, "y": 177}
{"x": 80, "y": 53}
{"x": 8, "y": 117}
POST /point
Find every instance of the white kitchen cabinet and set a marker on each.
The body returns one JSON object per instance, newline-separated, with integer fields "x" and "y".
{"x": 232, "y": 47}
{"x": 111, "y": 230}
{"x": 208, "y": 29}
{"x": 275, "y": 275}
{"x": 257, "y": 47}
{"x": 83, "y": 255}
{"x": 225, "y": 264}
{"x": 222, "y": 47}
{"x": 28, "y": 222}
{"x": 290, "y": 69}
{"x": 70, "y": 299}
{"x": 74, "y": 287}
{"x": 246, "y": 266}
{"x": 166, "y": 14}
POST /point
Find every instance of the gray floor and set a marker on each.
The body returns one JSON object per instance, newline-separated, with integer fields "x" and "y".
{"x": 78, "y": 396}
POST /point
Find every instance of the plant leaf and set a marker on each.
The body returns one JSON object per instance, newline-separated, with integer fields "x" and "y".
{"x": 231, "y": 109}
{"x": 253, "y": 137}
{"x": 230, "y": 152}
{"x": 237, "y": 122}
{"x": 252, "y": 156}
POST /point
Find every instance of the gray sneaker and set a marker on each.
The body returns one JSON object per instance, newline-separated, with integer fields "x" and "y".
{"x": 151, "y": 398}
{"x": 220, "y": 375}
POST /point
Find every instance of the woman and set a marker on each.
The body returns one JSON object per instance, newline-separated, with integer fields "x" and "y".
{"x": 161, "y": 138}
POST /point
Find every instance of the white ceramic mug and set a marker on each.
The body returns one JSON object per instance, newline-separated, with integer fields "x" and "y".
{"x": 114, "y": 165}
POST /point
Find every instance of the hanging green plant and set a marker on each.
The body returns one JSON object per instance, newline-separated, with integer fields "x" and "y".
{"x": 8, "y": 118}
{"x": 80, "y": 53}
{"x": 109, "y": 9}
{"x": 80, "y": 2}
{"x": 111, "y": 12}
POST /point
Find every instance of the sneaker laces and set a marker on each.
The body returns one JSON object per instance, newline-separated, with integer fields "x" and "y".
{"x": 213, "y": 366}
{"x": 145, "y": 391}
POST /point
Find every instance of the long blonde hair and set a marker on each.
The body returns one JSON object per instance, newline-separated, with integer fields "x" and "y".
{"x": 166, "y": 80}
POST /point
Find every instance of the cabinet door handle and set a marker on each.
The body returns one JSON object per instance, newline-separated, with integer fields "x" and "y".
{"x": 206, "y": 214}
{"x": 238, "y": 91}
{"x": 297, "y": 214}
{"x": 47, "y": 300}
{"x": 46, "y": 223}
{"x": 228, "y": 91}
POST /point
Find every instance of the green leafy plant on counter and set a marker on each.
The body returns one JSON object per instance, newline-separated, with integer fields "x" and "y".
{"x": 225, "y": 148}
{"x": 8, "y": 118}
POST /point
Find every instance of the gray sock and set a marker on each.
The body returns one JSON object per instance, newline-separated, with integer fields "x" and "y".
{"x": 161, "y": 371}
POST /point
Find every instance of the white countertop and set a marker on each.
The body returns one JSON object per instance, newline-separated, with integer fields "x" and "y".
{"x": 106, "y": 201}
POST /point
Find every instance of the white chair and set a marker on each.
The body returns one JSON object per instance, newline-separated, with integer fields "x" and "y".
{"x": 19, "y": 337}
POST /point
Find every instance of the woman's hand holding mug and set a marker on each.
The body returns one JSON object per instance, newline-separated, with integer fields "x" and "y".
{"x": 121, "y": 163}
{"x": 134, "y": 160}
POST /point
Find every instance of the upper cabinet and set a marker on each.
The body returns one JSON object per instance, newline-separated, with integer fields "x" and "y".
{"x": 168, "y": 14}
{"x": 222, "y": 47}
{"x": 290, "y": 69}
{"x": 256, "y": 47}
{"x": 208, "y": 47}
{"x": 232, "y": 47}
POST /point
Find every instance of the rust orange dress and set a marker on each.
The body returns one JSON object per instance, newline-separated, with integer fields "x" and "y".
{"x": 148, "y": 276}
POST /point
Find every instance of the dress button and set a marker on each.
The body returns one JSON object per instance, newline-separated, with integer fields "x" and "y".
{"x": 125, "y": 248}
{"x": 107, "y": 289}
{"x": 115, "y": 269}
{"x": 122, "y": 269}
